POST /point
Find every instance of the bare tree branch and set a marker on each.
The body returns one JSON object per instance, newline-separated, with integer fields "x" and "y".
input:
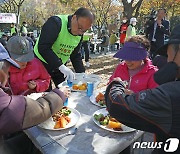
{"x": 91, "y": 4}
{"x": 137, "y": 7}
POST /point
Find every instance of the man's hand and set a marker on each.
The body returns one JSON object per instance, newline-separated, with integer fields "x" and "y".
{"x": 159, "y": 22}
{"x": 68, "y": 73}
{"x": 32, "y": 84}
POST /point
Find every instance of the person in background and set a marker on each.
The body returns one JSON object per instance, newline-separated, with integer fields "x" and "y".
{"x": 3, "y": 40}
{"x": 122, "y": 30}
{"x": 85, "y": 47}
{"x": 32, "y": 76}
{"x": 131, "y": 30}
{"x": 60, "y": 39}
{"x": 153, "y": 110}
{"x": 23, "y": 28}
{"x": 156, "y": 31}
{"x": 136, "y": 69}
{"x": 13, "y": 29}
{"x": 30, "y": 39}
{"x": 112, "y": 40}
{"x": 20, "y": 112}
{"x": 33, "y": 38}
{"x": 117, "y": 42}
{"x": 105, "y": 41}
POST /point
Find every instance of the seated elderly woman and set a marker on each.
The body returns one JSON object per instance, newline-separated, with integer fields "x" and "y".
{"x": 154, "y": 110}
{"x": 32, "y": 75}
{"x": 20, "y": 112}
{"x": 136, "y": 69}
{"x": 105, "y": 42}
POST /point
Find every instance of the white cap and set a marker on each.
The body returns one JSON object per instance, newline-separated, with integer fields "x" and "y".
{"x": 133, "y": 20}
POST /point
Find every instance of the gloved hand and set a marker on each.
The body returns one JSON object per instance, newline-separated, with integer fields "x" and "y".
{"x": 68, "y": 73}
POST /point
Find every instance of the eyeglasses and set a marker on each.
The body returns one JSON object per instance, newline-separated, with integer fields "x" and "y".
{"x": 80, "y": 27}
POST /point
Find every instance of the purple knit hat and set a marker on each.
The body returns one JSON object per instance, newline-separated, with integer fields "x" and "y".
{"x": 132, "y": 51}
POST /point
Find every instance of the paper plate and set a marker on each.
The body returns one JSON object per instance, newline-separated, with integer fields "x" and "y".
{"x": 93, "y": 97}
{"x": 49, "y": 124}
{"x": 125, "y": 129}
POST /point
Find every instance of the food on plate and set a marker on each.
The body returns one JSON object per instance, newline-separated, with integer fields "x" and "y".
{"x": 79, "y": 86}
{"x": 100, "y": 99}
{"x": 84, "y": 84}
{"x": 113, "y": 123}
{"x": 61, "y": 118}
{"x": 82, "y": 87}
{"x": 108, "y": 121}
{"x": 75, "y": 87}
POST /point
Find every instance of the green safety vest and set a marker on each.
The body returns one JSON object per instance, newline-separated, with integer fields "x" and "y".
{"x": 64, "y": 44}
{"x": 24, "y": 30}
{"x": 133, "y": 31}
{"x": 86, "y": 38}
{"x": 13, "y": 30}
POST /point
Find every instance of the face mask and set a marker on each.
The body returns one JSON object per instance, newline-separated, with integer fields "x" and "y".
{"x": 124, "y": 21}
{"x": 167, "y": 73}
{"x": 134, "y": 24}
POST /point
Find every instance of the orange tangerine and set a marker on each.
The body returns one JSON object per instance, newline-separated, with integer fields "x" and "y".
{"x": 75, "y": 87}
{"x": 113, "y": 124}
{"x": 82, "y": 87}
{"x": 84, "y": 84}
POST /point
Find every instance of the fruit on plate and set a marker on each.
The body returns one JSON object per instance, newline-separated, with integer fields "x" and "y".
{"x": 79, "y": 87}
{"x": 108, "y": 121}
{"x": 84, "y": 84}
{"x": 82, "y": 87}
{"x": 113, "y": 123}
{"x": 62, "y": 122}
{"x": 100, "y": 99}
{"x": 75, "y": 87}
{"x": 61, "y": 118}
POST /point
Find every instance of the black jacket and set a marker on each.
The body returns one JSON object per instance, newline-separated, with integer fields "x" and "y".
{"x": 49, "y": 34}
{"x": 160, "y": 31}
{"x": 156, "y": 110}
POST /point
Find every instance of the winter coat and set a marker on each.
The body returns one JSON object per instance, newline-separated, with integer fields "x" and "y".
{"x": 154, "y": 110}
{"x": 113, "y": 38}
{"x": 122, "y": 32}
{"x": 140, "y": 81}
{"x": 20, "y": 112}
{"x": 35, "y": 71}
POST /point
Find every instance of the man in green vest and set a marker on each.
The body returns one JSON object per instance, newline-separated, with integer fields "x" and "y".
{"x": 13, "y": 29}
{"x": 23, "y": 29}
{"x": 60, "y": 39}
{"x": 131, "y": 30}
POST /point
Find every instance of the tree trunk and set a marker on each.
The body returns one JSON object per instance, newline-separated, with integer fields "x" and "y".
{"x": 129, "y": 8}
